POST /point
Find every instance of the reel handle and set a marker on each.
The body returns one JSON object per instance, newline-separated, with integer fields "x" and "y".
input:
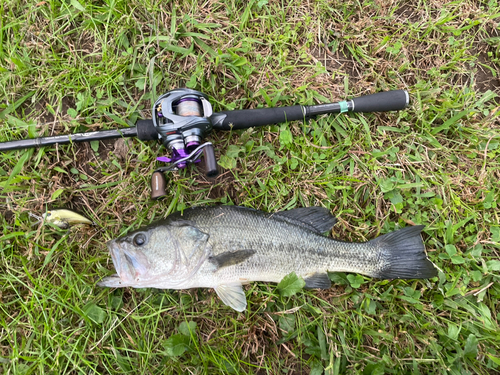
{"x": 159, "y": 181}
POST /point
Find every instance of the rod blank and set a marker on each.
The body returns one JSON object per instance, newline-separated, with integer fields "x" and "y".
{"x": 70, "y": 138}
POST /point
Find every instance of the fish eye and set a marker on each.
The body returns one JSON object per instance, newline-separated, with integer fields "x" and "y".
{"x": 140, "y": 239}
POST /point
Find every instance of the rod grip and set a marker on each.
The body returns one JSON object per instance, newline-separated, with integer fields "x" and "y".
{"x": 382, "y": 101}
{"x": 146, "y": 130}
{"x": 158, "y": 185}
{"x": 249, "y": 118}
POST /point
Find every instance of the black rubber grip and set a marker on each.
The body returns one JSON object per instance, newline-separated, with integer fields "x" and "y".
{"x": 146, "y": 130}
{"x": 248, "y": 118}
{"x": 210, "y": 161}
{"x": 382, "y": 101}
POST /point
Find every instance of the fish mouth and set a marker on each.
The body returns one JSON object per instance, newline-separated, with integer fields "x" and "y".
{"x": 114, "y": 281}
{"x": 120, "y": 261}
{"x": 131, "y": 265}
{"x": 114, "y": 250}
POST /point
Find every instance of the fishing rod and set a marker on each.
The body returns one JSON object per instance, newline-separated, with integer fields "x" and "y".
{"x": 182, "y": 118}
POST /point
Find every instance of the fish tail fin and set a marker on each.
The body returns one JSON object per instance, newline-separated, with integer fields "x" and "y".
{"x": 403, "y": 255}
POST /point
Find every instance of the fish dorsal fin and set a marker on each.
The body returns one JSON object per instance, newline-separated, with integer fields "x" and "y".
{"x": 318, "y": 281}
{"x": 230, "y": 258}
{"x": 232, "y": 295}
{"x": 317, "y": 219}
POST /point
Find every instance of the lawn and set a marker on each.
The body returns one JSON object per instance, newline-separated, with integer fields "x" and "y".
{"x": 79, "y": 65}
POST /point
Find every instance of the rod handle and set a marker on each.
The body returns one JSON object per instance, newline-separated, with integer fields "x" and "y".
{"x": 250, "y": 118}
{"x": 382, "y": 101}
{"x": 146, "y": 130}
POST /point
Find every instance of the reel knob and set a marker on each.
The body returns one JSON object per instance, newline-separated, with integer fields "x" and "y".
{"x": 158, "y": 185}
{"x": 210, "y": 161}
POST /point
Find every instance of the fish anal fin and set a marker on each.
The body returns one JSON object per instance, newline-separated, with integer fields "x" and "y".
{"x": 232, "y": 295}
{"x": 318, "y": 281}
{"x": 316, "y": 219}
{"x": 230, "y": 258}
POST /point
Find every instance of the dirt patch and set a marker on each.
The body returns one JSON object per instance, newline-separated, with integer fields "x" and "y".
{"x": 337, "y": 62}
{"x": 487, "y": 75}
{"x": 83, "y": 155}
{"x": 85, "y": 44}
{"x": 86, "y": 48}
{"x": 485, "y": 79}
{"x": 407, "y": 13}
{"x": 8, "y": 216}
{"x": 39, "y": 110}
{"x": 223, "y": 185}
{"x": 118, "y": 146}
{"x": 47, "y": 122}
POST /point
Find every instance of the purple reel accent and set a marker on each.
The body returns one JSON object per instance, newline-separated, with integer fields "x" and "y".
{"x": 191, "y": 146}
{"x": 176, "y": 155}
{"x": 188, "y": 99}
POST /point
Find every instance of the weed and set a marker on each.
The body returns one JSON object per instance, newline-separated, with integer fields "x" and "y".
{"x": 81, "y": 65}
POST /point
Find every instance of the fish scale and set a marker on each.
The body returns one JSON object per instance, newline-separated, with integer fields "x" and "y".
{"x": 223, "y": 247}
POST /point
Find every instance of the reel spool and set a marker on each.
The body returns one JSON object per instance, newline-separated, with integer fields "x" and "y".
{"x": 181, "y": 118}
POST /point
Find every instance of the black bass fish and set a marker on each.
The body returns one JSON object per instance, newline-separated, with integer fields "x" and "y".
{"x": 223, "y": 247}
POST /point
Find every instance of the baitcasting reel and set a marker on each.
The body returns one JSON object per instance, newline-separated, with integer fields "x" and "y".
{"x": 182, "y": 119}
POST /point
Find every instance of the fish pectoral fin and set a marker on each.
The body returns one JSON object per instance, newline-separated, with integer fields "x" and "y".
{"x": 230, "y": 258}
{"x": 232, "y": 295}
{"x": 318, "y": 281}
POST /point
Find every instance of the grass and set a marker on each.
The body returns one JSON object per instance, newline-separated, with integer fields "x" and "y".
{"x": 80, "y": 65}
